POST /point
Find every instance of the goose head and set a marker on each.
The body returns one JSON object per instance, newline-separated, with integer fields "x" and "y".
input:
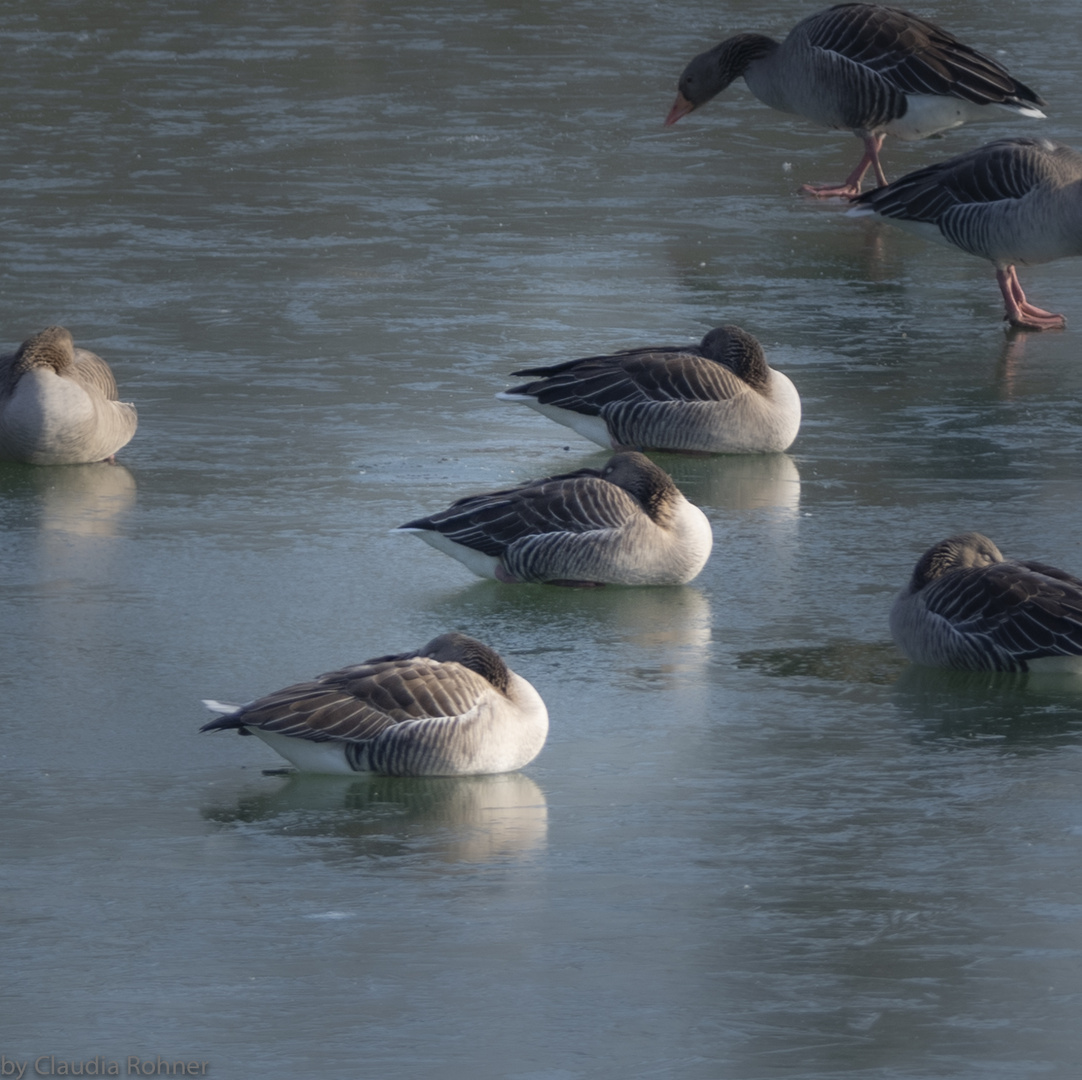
{"x": 455, "y": 647}
{"x": 960, "y": 552}
{"x": 712, "y": 71}
{"x": 646, "y": 482}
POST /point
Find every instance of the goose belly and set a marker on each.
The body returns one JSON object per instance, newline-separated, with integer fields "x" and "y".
{"x": 316, "y": 757}
{"x": 927, "y": 114}
{"x": 477, "y": 561}
{"x": 1056, "y": 665}
{"x": 593, "y": 428}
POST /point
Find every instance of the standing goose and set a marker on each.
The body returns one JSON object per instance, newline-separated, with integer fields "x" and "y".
{"x": 719, "y": 398}
{"x": 453, "y": 708}
{"x": 968, "y": 607}
{"x": 872, "y": 70}
{"x": 58, "y": 404}
{"x": 626, "y": 524}
{"x": 1011, "y": 201}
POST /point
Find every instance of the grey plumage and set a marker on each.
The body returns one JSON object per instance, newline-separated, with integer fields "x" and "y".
{"x": 719, "y": 397}
{"x": 626, "y": 524}
{"x": 1011, "y": 201}
{"x": 864, "y": 68}
{"x": 451, "y": 708}
{"x": 967, "y": 607}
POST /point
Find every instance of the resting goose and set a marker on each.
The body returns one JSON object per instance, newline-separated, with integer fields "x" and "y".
{"x": 626, "y": 524}
{"x": 1011, "y": 201}
{"x": 718, "y": 398}
{"x": 58, "y": 404}
{"x": 453, "y": 708}
{"x": 968, "y": 607}
{"x": 872, "y": 70}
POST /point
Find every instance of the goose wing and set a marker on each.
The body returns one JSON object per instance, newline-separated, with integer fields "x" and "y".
{"x": 360, "y": 702}
{"x": 1026, "y": 609}
{"x": 998, "y": 172}
{"x": 595, "y": 384}
{"x": 572, "y": 503}
{"x": 92, "y": 373}
{"x": 911, "y": 55}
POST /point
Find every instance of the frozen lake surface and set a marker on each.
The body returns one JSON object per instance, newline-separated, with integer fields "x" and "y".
{"x": 313, "y": 240}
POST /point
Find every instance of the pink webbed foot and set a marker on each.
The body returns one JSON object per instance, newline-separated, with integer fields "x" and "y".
{"x": 1020, "y": 312}
{"x": 1035, "y": 318}
{"x": 850, "y": 187}
{"x": 831, "y": 191}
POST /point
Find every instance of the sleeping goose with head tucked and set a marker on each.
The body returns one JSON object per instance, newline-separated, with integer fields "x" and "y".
{"x": 58, "y": 404}
{"x": 1011, "y": 201}
{"x": 720, "y": 397}
{"x": 627, "y": 524}
{"x": 872, "y": 70}
{"x": 452, "y": 708}
{"x": 966, "y": 606}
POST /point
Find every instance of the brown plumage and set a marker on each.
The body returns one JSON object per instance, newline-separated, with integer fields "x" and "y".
{"x": 452, "y": 707}
{"x": 58, "y": 404}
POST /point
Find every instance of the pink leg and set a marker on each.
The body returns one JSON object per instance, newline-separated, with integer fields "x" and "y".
{"x": 851, "y": 186}
{"x": 1020, "y": 312}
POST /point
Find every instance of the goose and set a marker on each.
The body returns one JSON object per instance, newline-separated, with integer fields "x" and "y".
{"x": 452, "y": 708}
{"x": 58, "y": 404}
{"x": 968, "y": 607}
{"x": 1011, "y": 201}
{"x": 626, "y": 524}
{"x": 718, "y": 398}
{"x": 872, "y": 70}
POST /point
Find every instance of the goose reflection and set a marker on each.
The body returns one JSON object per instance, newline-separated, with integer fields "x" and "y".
{"x": 454, "y": 819}
{"x": 738, "y": 481}
{"x": 1009, "y": 709}
{"x": 1009, "y": 370}
{"x": 83, "y": 500}
{"x": 669, "y": 629}
{"x": 849, "y": 661}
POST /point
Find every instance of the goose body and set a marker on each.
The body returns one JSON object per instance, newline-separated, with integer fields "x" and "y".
{"x": 872, "y": 70}
{"x": 1010, "y": 201}
{"x": 968, "y": 607}
{"x": 718, "y": 398}
{"x": 626, "y": 524}
{"x": 58, "y": 404}
{"x": 452, "y": 708}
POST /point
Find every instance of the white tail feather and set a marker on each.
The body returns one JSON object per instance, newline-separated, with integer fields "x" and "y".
{"x": 220, "y": 706}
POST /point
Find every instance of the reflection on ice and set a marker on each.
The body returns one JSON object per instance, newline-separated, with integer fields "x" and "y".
{"x": 669, "y": 627}
{"x": 737, "y": 481}
{"x": 837, "y": 661}
{"x": 472, "y": 819}
{"x": 1015, "y": 707}
{"x": 86, "y": 500}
